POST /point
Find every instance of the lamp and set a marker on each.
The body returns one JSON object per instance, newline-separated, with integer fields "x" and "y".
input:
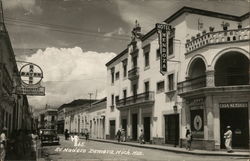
{"x": 175, "y": 108}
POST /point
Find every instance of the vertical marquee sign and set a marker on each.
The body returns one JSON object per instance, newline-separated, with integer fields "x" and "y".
{"x": 163, "y": 34}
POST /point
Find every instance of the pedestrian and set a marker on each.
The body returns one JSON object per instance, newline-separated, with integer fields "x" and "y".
{"x": 123, "y": 137}
{"x": 34, "y": 138}
{"x": 66, "y": 134}
{"x": 118, "y": 135}
{"x": 189, "y": 138}
{"x": 3, "y": 144}
{"x": 86, "y": 134}
{"x": 141, "y": 137}
{"x": 228, "y": 139}
{"x": 75, "y": 139}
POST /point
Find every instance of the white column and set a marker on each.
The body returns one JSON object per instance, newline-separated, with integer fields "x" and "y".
{"x": 98, "y": 127}
{"x": 139, "y": 122}
{"x": 129, "y": 125}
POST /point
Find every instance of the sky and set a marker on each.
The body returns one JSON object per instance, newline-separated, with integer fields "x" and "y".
{"x": 72, "y": 40}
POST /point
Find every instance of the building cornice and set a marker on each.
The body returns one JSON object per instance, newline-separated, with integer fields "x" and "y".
{"x": 117, "y": 57}
{"x": 178, "y": 14}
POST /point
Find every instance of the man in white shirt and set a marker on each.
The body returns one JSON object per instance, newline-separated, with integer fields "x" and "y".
{"x": 3, "y": 143}
{"x": 228, "y": 139}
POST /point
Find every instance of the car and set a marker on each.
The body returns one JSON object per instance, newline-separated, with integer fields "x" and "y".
{"x": 49, "y": 136}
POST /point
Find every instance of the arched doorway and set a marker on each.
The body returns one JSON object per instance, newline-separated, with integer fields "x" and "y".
{"x": 231, "y": 69}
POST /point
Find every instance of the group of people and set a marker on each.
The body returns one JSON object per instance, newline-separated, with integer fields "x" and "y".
{"x": 20, "y": 143}
{"x": 227, "y": 136}
{"x": 121, "y": 135}
{"x": 67, "y": 134}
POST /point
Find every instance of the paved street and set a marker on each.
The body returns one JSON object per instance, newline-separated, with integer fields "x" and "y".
{"x": 93, "y": 150}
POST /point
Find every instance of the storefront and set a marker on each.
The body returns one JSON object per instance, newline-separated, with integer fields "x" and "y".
{"x": 235, "y": 115}
{"x": 210, "y": 114}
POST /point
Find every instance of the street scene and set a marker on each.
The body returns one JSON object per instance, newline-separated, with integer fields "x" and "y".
{"x": 165, "y": 80}
{"x": 108, "y": 151}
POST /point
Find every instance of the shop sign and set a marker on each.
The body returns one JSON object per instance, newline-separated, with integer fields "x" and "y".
{"x": 197, "y": 103}
{"x": 31, "y": 74}
{"x": 31, "y": 77}
{"x": 163, "y": 31}
{"x": 197, "y": 123}
{"x": 234, "y": 105}
{"x": 32, "y": 91}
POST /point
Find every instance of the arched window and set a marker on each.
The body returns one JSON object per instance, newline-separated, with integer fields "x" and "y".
{"x": 232, "y": 68}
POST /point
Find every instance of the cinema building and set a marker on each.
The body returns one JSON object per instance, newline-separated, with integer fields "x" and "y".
{"x": 206, "y": 88}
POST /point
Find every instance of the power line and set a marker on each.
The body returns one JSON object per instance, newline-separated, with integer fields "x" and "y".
{"x": 76, "y": 80}
{"x": 66, "y": 29}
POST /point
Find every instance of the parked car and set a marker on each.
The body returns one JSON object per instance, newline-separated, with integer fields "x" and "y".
{"x": 49, "y": 136}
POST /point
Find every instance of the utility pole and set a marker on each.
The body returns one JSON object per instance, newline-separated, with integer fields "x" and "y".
{"x": 90, "y": 94}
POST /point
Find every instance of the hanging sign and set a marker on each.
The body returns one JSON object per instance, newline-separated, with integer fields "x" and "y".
{"x": 31, "y": 77}
{"x": 32, "y": 91}
{"x": 163, "y": 34}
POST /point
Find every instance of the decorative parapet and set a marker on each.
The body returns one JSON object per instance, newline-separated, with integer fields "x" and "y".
{"x": 227, "y": 36}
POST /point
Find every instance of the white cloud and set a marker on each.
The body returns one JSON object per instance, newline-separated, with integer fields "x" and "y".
{"x": 70, "y": 74}
{"x": 28, "y": 5}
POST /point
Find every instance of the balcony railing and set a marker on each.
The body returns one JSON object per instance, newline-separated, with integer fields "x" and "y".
{"x": 192, "y": 84}
{"x": 218, "y": 37}
{"x": 133, "y": 73}
{"x": 147, "y": 97}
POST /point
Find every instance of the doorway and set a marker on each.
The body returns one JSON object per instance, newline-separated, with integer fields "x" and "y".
{"x": 237, "y": 118}
{"x": 146, "y": 127}
{"x": 112, "y": 129}
{"x": 134, "y": 126}
{"x": 172, "y": 129}
{"x": 124, "y": 124}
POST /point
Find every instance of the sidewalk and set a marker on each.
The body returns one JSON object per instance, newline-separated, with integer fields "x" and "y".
{"x": 179, "y": 150}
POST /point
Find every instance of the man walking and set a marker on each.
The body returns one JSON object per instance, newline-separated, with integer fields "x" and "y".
{"x": 118, "y": 135}
{"x": 189, "y": 139}
{"x": 228, "y": 139}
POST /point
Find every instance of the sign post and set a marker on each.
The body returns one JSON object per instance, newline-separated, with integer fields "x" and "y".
{"x": 163, "y": 34}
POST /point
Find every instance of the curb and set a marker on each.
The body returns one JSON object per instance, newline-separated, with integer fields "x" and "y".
{"x": 170, "y": 149}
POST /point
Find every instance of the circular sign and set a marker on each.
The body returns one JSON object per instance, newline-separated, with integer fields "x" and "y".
{"x": 31, "y": 74}
{"x": 197, "y": 122}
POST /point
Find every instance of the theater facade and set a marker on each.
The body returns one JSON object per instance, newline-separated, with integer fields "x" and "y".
{"x": 216, "y": 87}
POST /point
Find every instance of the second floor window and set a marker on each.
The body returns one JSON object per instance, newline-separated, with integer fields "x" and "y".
{"x": 146, "y": 86}
{"x": 134, "y": 60}
{"x": 116, "y": 99}
{"x": 125, "y": 69}
{"x": 112, "y": 100}
{"x": 171, "y": 82}
{"x": 112, "y": 75}
{"x": 171, "y": 46}
{"x": 146, "y": 55}
{"x": 158, "y": 54}
{"x": 160, "y": 86}
{"x": 117, "y": 76}
{"x": 124, "y": 93}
